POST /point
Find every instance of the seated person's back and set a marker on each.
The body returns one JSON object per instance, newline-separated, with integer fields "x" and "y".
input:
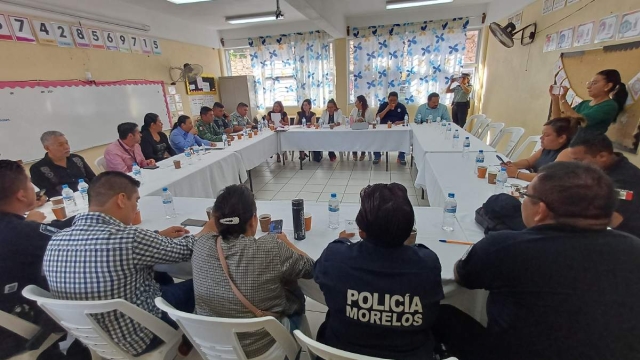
{"x": 382, "y": 295}
{"x": 265, "y": 270}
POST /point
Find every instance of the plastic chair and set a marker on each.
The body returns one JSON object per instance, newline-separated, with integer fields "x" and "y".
{"x": 101, "y": 164}
{"x": 515, "y": 135}
{"x": 326, "y": 352}
{"x": 216, "y": 338}
{"x": 473, "y": 119}
{"x": 525, "y": 144}
{"x": 494, "y": 129}
{"x": 482, "y": 124}
{"x": 75, "y": 317}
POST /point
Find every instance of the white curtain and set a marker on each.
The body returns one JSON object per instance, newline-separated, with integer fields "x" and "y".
{"x": 272, "y": 62}
{"x": 314, "y": 70}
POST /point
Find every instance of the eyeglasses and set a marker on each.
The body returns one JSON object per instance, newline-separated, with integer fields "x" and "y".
{"x": 591, "y": 83}
{"x": 538, "y": 199}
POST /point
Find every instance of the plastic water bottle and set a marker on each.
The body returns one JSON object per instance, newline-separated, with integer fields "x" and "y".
{"x": 456, "y": 139}
{"x": 260, "y": 127}
{"x": 430, "y": 119}
{"x": 137, "y": 173}
{"x": 304, "y": 122}
{"x": 443, "y": 126}
{"x": 334, "y": 212}
{"x": 449, "y": 214}
{"x": 196, "y": 150}
{"x": 224, "y": 141}
{"x": 466, "y": 146}
{"x": 187, "y": 155}
{"x": 202, "y": 149}
{"x": 167, "y": 202}
{"x": 83, "y": 188}
{"x": 377, "y": 120}
{"x": 69, "y": 199}
{"x": 406, "y": 120}
{"x": 245, "y": 133}
{"x": 447, "y": 133}
{"x": 501, "y": 180}
{"x": 418, "y": 118}
{"x": 479, "y": 160}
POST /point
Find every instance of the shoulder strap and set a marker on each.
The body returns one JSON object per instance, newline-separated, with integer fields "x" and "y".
{"x": 237, "y": 293}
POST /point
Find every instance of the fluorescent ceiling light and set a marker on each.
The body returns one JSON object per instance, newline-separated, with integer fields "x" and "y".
{"x": 186, "y": 1}
{"x": 399, "y": 4}
{"x": 251, "y": 18}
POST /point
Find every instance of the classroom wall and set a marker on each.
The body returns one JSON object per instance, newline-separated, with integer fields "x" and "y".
{"x": 517, "y": 79}
{"x": 29, "y": 62}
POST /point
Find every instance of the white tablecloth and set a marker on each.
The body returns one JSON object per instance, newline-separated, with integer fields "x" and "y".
{"x": 256, "y": 150}
{"x": 398, "y": 138}
{"x": 214, "y": 171}
{"x": 428, "y": 223}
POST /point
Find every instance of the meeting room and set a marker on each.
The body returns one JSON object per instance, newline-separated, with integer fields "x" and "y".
{"x": 319, "y": 179}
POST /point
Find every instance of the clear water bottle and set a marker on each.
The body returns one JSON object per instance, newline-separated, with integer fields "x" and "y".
{"x": 224, "y": 141}
{"x": 466, "y": 146}
{"x": 245, "y": 132}
{"x": 479, "y": 160}
{"x": 377, "y": 120}
{"x": 260, "y": 127}
{"x": 69, "y": 199}
{"x": 334, "y": 212}
{"x": 304, "y": 122}
{"x": 83, "y": 189}
{"x": 202, "y": 149}
{"x": 406, "y": 120}
{"x": 447, "y": 133}
{"x": 196, "y": 151}
{"x": 456, "y": 139}
{"x": 418, "y": 118}
{"x": 187, "y": 155}
{"x": 167, "y": 203}
{"x": 443, "y": 126}
{"x": 501, "y": 180}
{"x": 430, "y": 119}
{"x": 137, "y": 172}
{"x": 449, "y": 214}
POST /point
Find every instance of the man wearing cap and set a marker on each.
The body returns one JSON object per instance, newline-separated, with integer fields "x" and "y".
{"x": 461, "y": 94}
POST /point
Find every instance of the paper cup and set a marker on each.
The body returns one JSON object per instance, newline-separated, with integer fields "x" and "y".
{"x": 482, "y": 172}
{"x": 250, "y": 135}
{"x": 307, "y": 221}
{"x": 239, "y": 136}
{"x": 389, "y": 125}
{"x": 265, "y": 221}
{"x": 177, "y": 164}
{"x": 491, "y": 176}
{"x": 58, "y": 200}
{"x": 59, "y": 211}
{"x": 331, "y": 126}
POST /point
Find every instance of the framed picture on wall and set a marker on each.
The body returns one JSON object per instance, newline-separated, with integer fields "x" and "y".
{"x": 547, "y": 7}
{"x": 551, "y": 42}
{"x": 607, "y": 28}
{"x": 558, "y": 4}
{"x": 584, "y": 34}
{"x": 565, "y": 38}
{"x": 570, "y": 2}
{"x": 629, "y": 25}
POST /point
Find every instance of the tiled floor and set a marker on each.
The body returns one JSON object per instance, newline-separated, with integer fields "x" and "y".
{"x": 316, "y": 182}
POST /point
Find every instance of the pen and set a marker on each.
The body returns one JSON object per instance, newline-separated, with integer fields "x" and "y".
{"x": 456, "y": 242}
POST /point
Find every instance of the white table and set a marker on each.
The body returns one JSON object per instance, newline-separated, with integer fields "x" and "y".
{"x": 381, "y": 139}
{"x": 205, "y": 177}
{"x": 428, "y": 224}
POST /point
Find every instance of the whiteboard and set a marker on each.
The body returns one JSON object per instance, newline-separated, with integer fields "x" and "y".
{"x": 88, "y": 114}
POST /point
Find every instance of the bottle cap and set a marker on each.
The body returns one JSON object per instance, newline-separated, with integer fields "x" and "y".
{"x": 80, "y": 181}
{"x": 452, "y": 195}
{"x": 481, "y": 151}
{"x": 134, "y": 164}
{"x": 65, "y": 186}
{"x": 466, "y": 138}
{"x": 165, "y": 189}
{"x": 334, "y": 196}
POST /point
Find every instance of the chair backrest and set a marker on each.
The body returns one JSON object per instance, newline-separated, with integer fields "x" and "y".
{"x": 473, "y": 121}
{"x": 217, "y": 338}
{"x": 515, "y": 133}
{"x": 326, "y": 352}
{"x": 75, "y": 317}
{"x": 481, "y": 124}
{"x": 531, "y": 139}
{"x": 101, "y": 163}
{"x": 493, "y": 128}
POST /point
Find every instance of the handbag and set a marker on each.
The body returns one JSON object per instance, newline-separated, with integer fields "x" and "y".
{"x": 257, "y": 312}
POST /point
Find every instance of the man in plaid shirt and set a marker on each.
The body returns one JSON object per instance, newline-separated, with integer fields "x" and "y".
{"x": 103, "y": 257}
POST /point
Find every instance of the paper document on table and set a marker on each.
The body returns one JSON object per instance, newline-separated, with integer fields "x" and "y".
{"x": 276, "y": 117}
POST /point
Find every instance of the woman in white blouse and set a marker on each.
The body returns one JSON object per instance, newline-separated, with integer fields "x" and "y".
{"x": 362, "y": 113}
{"x": 332, "y": 115}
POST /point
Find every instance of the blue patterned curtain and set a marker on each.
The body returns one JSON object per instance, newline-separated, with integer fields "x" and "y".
{"x": 291, "y": 68}
{"x": 412, "y": 59}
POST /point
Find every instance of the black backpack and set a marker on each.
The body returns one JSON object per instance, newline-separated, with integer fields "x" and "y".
{"x": 500, "y": 212}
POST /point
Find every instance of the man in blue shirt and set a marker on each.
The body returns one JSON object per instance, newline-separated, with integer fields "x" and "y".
{"x": 432, "y": 108}
{"x": 394, "y": 112}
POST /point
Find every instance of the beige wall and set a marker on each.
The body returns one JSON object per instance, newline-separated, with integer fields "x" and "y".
{"x": 53, "y": 63}
{"x": 517, "y": 79}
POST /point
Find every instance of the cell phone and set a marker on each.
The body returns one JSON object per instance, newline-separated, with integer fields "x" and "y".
{"x": 39, "y": 194}
{"x": 193, "y": 222}
{"x": 556, "y": 89}
{"x": 151, "y": 167}
{"x": 501, "y": 159}
{"x": 275, "y": 227}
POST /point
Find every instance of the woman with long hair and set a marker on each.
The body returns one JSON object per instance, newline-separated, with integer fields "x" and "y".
{"x": 362, "y": 113}
{"x": 155, "y": 143}
{"x": 332, "y": 115}
{"x": 181, "y": 137}
{"x": 310, "y": 118}
{"x": 278, "y": 108}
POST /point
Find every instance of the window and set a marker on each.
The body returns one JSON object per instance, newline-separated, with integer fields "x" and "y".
{"x": 239, "y": 62}
{"x": 471, "y": 52}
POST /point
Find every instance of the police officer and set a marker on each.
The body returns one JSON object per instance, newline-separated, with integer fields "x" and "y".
{"x": 382, "y": 295}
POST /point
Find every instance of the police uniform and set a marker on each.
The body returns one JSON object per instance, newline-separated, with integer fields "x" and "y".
{"x": 625, "y": 177}
{"x": 382, "y": 301}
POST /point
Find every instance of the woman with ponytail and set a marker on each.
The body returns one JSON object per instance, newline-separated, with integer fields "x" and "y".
{"x": 155, "y": 143}
{"x": 608, "y": 97}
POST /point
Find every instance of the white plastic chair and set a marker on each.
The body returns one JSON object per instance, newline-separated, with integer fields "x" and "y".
{"x": 482, "y": 124}
{"x": 75, "y": 317}
{"x": 525, "y": 144}
{"x": 515, "y": 135}
{"x": 473, "y": 119}
{"x": 216, "y": 338}
{"x": 494, "y": 129}
{"x": 101, "y": 164}
{"x": 313, "y": 347}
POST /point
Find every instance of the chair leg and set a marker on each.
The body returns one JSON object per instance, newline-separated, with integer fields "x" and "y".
{"x": 342, "y": 156}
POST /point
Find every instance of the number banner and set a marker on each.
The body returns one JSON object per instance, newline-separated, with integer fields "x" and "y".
{"x": 135, "y": 44}
{"x": 5, "y": 33}
{"x": 146, "y": 46}
{"x": 63, "y": 35}
{"x": 96, "y": 39}
{"x": 22, "y": 29}
{"x": 80, "y": 36}
{"x": 155, "y": 45}
{"x": 123, "y": 42}
{"x": 110, "y": 40}
{"x": 44, "y": 31}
